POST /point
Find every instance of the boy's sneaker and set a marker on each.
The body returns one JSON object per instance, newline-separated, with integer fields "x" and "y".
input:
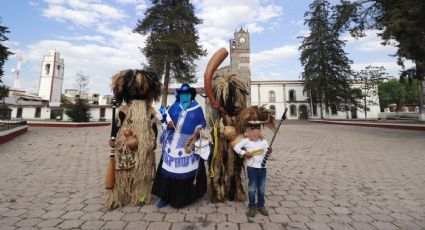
{"x": 263, "y": 211}
{"x": 251, "y": 212}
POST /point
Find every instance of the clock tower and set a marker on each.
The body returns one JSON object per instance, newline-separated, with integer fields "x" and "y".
{"x": 240, "y": 57}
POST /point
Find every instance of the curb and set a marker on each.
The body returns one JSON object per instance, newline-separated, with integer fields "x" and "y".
{"x": 8, "y": 135}
{"x": 386, "y": 126}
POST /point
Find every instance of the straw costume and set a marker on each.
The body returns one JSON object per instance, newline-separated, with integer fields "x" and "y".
{"x": 226, "y": 166}
{"x": 135, "y": 135}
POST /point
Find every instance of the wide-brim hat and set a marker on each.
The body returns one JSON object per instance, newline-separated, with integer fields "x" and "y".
{"x": 185, "y": 88}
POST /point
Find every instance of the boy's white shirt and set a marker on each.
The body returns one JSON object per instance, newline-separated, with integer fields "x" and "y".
{"x": 256, "y": 160}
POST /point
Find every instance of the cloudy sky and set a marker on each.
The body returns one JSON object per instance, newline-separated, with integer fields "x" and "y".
{"x": 95, "y": 37}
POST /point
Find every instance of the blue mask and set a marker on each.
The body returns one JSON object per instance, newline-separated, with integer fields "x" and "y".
{"x": 185, "y": 100}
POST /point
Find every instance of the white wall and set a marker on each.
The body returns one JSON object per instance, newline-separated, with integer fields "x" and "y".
{"x": 28, "y": 113}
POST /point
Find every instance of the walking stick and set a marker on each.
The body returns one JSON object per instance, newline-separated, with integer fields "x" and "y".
{"x": 266, "y": 157}
{"x": 110, "y": 171}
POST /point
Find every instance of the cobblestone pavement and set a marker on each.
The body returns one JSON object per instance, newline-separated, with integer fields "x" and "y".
{"x": 319, "y": 177}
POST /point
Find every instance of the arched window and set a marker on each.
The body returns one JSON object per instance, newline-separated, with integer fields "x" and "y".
{"x": 273, "y": 109}
{"x": 293, "y": 110}
{"x": 292, "y": 95}
{"x": 272, "y": 96}
{"x": 47, "y": 69}
{"x": 233, "y": 44}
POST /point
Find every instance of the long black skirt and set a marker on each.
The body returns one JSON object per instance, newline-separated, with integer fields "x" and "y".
{"x": 180, "y": 192}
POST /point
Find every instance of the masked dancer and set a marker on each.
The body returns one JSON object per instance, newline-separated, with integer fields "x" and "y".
{"x": 133, "y": 136}
{"x": 181, "y": 176}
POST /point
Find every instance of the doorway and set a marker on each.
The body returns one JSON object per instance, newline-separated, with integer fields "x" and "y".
{"x": 353, "y": 112}
{"x": 303, "y": 112}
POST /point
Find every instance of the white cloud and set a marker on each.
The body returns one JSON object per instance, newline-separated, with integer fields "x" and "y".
{"x": 297, "y": 23}
{"x": 81, "y": 13}
{"x": 370, "y": 43}
{"x": 391, "y": 67}
{"x": 78, "y": 17}
{"x": 140, "y": 9}
{"x": 33, "y": 4}
{"x": 276, "y": 54}
{"x": 127, "y": 1}
{"x": 99, "y": 62}
{"x": 267, "y": 12}
{"x": 90, "y": 38}
{"x": 55, "y": 1}
{"x": 254, "y": 28}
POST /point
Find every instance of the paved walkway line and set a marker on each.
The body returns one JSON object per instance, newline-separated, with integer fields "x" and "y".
{"x": 67, "y": 124}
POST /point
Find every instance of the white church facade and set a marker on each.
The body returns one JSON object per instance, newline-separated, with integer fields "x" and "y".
{"x": 280, "y": 94}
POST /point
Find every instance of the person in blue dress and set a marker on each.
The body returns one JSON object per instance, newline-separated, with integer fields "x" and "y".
{"x": 181, "y": 175}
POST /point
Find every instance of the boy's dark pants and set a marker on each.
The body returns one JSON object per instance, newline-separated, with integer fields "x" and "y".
{"x": 256, "y": 184}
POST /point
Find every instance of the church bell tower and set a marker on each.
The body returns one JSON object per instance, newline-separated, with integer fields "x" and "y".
{"x": 240, "y": 57}
{"x": 51, "y": 78}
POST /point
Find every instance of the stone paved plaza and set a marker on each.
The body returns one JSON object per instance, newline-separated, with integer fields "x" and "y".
{"x": 319, "y": 177}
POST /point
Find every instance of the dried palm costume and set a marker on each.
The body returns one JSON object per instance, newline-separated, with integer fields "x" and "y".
{"x": 134, "y": 90}
{"x": 225, "y": 165}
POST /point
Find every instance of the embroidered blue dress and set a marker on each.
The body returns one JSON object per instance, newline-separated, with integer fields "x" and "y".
{"x": 177, "y": 169}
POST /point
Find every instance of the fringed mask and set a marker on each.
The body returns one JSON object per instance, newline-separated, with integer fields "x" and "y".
{"x": 255, "y": 116}
{"x": 231, "y": 92}
{"x": 129, "y": 85}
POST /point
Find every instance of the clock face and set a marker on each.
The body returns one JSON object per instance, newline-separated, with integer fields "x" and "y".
{"x": 242, "y": 40}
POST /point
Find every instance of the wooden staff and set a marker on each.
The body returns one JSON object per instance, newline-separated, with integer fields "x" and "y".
{"x": 110, "y": 171}
{"x": 266, "y": 157}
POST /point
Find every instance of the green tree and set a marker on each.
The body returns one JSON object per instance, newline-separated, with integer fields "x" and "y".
{"x": 4, "y": 50}
{"x": 4, "y": 92}
{"x": 172, "y": 42}
{"x": 370, "y": 76}
{"x": 78, "y": 111}
{"x": 397, "y": 92}
{"x": 400, "y": 21}
{"x": 326, "y": 66}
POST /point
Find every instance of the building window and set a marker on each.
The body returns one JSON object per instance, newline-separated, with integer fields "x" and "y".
{"x": 102, "y": 112}
{"x": 273, "y": 109}
{"x": 37, "y": 113}
{"x": 19, "y": 113}
{"x": 292, "y": 95}
{"x": 272, "y": 96}
{"x": 293, "y": 110}
{"x": 233, "y": 44}
{"x": 47, "y": 69}
{"x": 333, "y": 110}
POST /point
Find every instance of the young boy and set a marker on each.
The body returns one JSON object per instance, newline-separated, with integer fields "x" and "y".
{"x": 253, "y": 148}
